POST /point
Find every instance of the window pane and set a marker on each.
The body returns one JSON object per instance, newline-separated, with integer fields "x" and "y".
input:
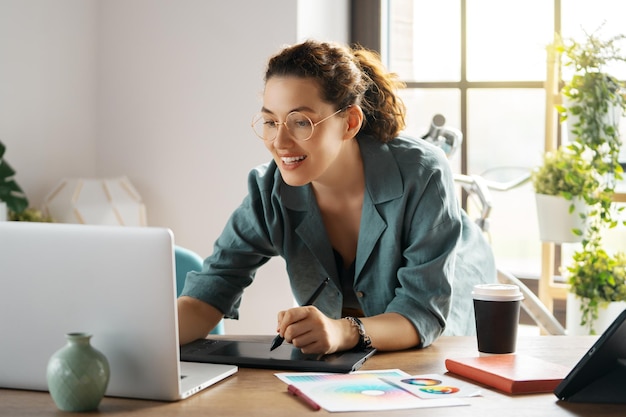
{"x": 578, "y": 18}
{"x": 423, "y": 104}
{"x": 505, "y": 140}
{"x": 425, "y": 39}
{"x": 506, "y": 41}
{"x": 606, "y": 19}
{"x": 505, "y": 127}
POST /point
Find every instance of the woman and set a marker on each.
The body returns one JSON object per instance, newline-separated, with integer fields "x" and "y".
{"x": 345, "y": 198}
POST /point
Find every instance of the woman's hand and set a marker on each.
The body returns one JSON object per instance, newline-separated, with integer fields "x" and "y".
{"x": 310, "y": 330}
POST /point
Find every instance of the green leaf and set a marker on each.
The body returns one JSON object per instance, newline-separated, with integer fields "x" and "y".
{"x": 10, "y": 191}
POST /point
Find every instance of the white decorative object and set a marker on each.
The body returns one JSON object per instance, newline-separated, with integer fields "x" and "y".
{"x": 556, "y": 222}
{"x": 107, "y": 201}
{"x": 3, "y": 211}
{"x": 606, "y": 315}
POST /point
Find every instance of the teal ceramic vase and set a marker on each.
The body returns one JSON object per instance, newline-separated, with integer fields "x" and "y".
{"x": 77, "y": 374}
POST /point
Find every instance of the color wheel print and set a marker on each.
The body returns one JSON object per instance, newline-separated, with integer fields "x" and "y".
{"x": 427, "y": 382}
{"x": 430, "y": 385}
{"x": 440, "y": 389}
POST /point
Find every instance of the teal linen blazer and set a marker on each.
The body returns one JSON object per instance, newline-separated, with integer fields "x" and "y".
{"x": 418, "y": 253}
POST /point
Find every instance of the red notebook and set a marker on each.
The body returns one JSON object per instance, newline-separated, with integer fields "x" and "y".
{"x": 513, "y": 374}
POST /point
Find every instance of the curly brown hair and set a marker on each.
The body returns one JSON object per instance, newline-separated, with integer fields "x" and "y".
{"x": 347, "y": 76}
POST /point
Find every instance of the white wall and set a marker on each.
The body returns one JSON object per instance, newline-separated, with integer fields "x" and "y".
{"x": 48, "y": 90}
{"x": 325, "y": 20}
{"x": 157, "y": 90}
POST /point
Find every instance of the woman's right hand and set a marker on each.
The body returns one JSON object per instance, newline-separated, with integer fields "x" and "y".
{"x": 313, "y": 332}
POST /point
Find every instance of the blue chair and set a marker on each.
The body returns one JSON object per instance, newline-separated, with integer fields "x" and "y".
{"x": 187, "y": 260}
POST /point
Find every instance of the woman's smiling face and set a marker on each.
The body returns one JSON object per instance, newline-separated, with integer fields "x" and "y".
{"x": 302, "y": 162}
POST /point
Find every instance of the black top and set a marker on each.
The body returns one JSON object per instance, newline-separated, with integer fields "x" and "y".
{"x": 351, "y": 306}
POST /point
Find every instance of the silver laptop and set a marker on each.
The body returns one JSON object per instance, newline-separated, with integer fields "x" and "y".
{"x": 116, "y": 283}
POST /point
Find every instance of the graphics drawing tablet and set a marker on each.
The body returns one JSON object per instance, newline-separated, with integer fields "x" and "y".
{"x": 600, "y": 376}
{"x": 256, "y": 354}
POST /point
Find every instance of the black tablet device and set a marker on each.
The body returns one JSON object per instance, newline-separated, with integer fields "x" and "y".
{"x": 253, "y": 354}
{"x": 600, "y": 376}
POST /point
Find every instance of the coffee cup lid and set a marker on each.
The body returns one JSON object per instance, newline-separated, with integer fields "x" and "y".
{"x": 497, "y": 292}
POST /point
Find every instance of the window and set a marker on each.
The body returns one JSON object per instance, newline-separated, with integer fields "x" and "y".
{"x": 482, "y": 64}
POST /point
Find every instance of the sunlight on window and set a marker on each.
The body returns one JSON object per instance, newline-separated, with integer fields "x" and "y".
{"x": 506, "y": 41}
{"x": 503, "y": 144}
{"x": 579, "y": 17}
{"x": 436, "y": 51}
{"x": 606, "y": 19}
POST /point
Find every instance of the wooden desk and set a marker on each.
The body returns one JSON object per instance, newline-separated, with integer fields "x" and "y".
{"x": 257, "y": 392}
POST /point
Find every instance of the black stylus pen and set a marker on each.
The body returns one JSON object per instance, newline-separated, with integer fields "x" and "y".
{"x": 278, "y": 340}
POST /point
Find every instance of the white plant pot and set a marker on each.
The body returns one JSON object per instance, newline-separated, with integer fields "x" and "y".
{"x": 3, "y": 211}
{"x": 556, "y": 222}
{"x": 606, "y": 315}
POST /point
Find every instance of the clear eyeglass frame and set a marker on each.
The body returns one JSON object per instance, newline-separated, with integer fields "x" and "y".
{"x": 299, "y": 125}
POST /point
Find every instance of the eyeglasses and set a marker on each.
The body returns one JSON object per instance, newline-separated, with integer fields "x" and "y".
{"x": 299, "y": 125}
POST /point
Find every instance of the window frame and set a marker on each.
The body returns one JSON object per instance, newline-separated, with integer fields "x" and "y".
{"x": 368, "y": 28}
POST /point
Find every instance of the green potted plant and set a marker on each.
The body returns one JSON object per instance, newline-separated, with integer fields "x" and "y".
{"x": 11, "y": 194}
{"x": 597, "y": 283}
{"x": 13, "y": 201}
{"x": 563, "y": 185}
{"x": 593, "y": 104}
